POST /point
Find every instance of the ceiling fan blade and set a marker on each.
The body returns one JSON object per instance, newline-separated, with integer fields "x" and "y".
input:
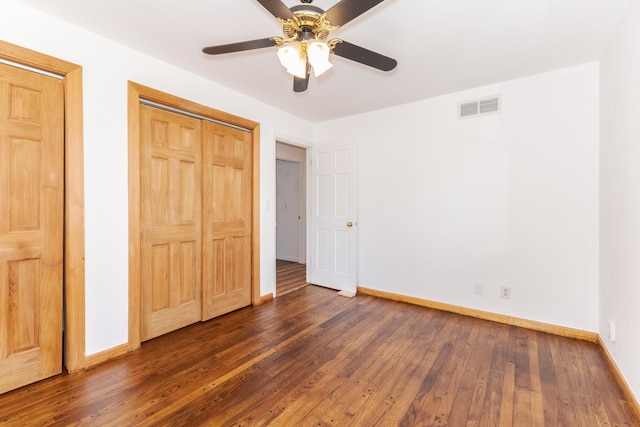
{"x": 300, "y": 84}
{"x": 364, "y": 56}
{"x": 347, "y": 10}
{"x": 240, "y": 46}
{"x": 276, "y": 8}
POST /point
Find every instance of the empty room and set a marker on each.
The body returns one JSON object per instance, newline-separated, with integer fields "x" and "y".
{"x": 146, "y": 152}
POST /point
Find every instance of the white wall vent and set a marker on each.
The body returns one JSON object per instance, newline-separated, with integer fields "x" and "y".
{"x": 479, "y": 107}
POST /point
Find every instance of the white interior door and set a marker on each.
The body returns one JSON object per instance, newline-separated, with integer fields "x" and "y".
{"x": 333, "y": 216}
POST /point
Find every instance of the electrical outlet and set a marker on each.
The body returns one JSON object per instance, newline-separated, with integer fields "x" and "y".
{"x": 479, "y": 288}
{"x": 505, "y": 292}
{"x": 612, "y": 330}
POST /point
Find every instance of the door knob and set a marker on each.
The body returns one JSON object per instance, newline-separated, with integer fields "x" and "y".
{"x": 349, "y": 224}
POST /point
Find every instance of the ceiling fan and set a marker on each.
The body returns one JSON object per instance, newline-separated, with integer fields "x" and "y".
{"x": 306, "y": 46}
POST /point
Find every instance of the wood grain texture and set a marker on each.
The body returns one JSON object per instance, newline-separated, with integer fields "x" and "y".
{"x": 256, "y": 298}
{"x": 31, "y": 226}
{"x": 485, "y": 315}
{"x": 163, "y": 98}
{"x": 311, "y": 357}
{"x": 290, "y": 276}
{"x": 226, "y": 219}
{"x": 74, "y": 269}
{"x": 31, "y": 58}
{"x": 170, "y": 221}
{"x": 107, "y": 355}
{"x": 620, "y": 379}
{"x": 265, "y": 299}
{"x": 136, "y": 93}
{"x": 133, "y": 151}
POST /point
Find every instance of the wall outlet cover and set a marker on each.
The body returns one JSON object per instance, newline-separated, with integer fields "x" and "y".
{"x": 612, "y": 330}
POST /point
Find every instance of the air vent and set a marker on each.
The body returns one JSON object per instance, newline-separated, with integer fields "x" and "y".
{"x": 479, "y": 107}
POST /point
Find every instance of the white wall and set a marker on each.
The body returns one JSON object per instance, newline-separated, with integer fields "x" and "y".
{"x": 620, "y": 195}
{"x": 502, "y": 200}
{"x": 107, "y": 67}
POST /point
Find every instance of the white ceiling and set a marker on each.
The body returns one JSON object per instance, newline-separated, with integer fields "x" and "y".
{"x": 441, "y": 46}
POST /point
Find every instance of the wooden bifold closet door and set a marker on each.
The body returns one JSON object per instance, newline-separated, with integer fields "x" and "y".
{"x": 195, "y": 182}
{"x": 226, "y": 268}
{"x": 170, "y": 203}
{"x": 31, "y": 226}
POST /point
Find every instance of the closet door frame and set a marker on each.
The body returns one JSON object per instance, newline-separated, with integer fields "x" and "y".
{"x": 74, "y": 230}
{"x": 136, "y": 93}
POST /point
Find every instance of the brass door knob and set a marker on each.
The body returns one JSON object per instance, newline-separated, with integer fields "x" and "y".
{"x": 349, "y": 224}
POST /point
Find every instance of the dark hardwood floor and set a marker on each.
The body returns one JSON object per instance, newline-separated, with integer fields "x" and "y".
{"x": 311, "y": 357}
{"x": 290, "y": 276}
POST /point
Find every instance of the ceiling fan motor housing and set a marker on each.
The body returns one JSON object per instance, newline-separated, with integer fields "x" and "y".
{"x": 308, "y": 23}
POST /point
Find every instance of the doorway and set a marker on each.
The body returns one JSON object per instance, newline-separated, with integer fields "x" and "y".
{"x": 291, "y": 204}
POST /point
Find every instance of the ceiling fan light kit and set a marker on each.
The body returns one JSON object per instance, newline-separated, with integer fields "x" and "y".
{"x": 294, "y": 56}
{"x": 305, "y": 46}
{"x": 293, "y": 59}
{"x": 318, "y": 54}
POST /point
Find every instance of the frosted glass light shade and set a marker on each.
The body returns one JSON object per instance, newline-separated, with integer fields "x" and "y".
{"x": 318, "y": 53}
{"x": 291, "y": 58}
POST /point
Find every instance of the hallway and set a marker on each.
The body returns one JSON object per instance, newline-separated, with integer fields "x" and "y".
{"x": 290, "y": 276}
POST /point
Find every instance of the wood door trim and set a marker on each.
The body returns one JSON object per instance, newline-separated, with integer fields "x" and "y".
{"x": 74, "y": 233}
{"x": 136, "y": 92}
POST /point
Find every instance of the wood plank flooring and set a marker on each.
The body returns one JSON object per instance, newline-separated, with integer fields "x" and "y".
{"x": 311, "y": 357}
{"x": 290, "y": 276}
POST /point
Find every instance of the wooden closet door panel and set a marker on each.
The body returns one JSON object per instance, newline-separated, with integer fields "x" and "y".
{"x": 170, "y": 184}
{"x": 31, "y": 226}
{"x": 226, "y": 200}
